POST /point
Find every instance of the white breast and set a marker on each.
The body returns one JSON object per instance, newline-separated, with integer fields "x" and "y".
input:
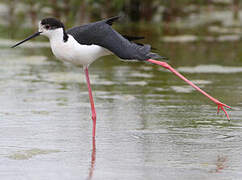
{"x": 76, "y": 53}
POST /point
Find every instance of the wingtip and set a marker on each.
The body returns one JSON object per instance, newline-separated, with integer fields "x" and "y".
{"x": 133, "y": 38}
{"x": 110, "y": 21}
{"x": 165, "y": 58}
{"x": 157, "y": 56}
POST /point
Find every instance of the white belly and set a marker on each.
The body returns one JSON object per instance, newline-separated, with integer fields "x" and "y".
{"x": 73, "y": 52}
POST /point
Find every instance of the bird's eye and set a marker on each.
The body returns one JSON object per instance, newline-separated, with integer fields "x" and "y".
{"x": 47, "y": 27}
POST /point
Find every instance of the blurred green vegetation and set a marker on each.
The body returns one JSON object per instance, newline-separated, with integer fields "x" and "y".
{"x": 73, "y": 11}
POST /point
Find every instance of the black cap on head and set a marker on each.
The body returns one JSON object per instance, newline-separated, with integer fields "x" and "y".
{"x": 52, "y": 23}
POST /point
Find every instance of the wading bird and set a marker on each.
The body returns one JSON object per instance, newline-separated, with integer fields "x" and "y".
{"x": 84, "y": 44}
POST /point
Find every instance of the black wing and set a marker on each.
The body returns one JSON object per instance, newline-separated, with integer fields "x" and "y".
{"x": 101, "y": 33}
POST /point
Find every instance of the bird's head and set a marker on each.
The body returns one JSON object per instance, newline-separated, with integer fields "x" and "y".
{"x": 48, "y": 27}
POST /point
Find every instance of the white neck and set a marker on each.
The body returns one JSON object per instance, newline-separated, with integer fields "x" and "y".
{"x": 55, "y": 35}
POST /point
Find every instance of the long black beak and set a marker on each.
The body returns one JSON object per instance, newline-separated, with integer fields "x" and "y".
{"x": 28, "y": 38}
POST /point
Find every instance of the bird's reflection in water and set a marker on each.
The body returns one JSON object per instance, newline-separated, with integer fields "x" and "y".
{"x": 221, "y": 163}
{"x": 93, "y": 159}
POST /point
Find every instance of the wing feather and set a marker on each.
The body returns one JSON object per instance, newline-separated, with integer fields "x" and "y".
{"x": 101, "y": 33}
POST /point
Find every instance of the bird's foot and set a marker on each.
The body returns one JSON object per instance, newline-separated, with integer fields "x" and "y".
{"x": 221, "y": 106}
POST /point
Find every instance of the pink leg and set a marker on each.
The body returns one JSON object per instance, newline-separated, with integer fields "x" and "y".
{"x": 93, "y": 160}
{"x": 167, "y": 66}
{"x": 91, "y": 102}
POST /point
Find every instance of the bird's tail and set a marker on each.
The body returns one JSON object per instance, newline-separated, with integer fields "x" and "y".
{"x": 153, "y": 55}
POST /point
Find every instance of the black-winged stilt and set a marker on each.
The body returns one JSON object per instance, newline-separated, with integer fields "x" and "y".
{"x": 84, "y": 44}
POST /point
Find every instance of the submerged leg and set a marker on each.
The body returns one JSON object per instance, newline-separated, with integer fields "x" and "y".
{"x": 91, "y": 102}
{"x": 167, "y": 66}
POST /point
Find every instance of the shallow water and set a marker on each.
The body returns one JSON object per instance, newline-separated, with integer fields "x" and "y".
{"x": 150, "y": 124}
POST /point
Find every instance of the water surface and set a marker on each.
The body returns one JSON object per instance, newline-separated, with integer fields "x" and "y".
{"x": 150, "y": 124}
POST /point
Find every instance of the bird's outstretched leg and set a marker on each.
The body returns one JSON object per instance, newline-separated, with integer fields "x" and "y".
{"x": 91, "y": 101}
{"x": 167, "y": 66}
